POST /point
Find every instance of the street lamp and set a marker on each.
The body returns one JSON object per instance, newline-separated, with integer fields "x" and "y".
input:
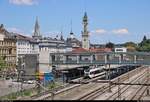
{"x": 21, "y": 74}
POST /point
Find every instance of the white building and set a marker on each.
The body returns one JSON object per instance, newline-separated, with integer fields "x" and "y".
{"x": 25, "y": 45}
{"x": 48, "y": 46}
{"x": 120, "y": 49}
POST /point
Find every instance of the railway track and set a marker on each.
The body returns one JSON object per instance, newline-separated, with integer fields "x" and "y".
{"x": 137, "y": 94}
{"x": 48, "y": 92}
{"x": 47, "y": 95}
{"x": 100, "y": 91}
{"x": 125, "y": 88}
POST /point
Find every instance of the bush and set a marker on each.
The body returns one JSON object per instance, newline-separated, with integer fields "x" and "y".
{"x": 12, "y": 97}
{"x": 27, "y": 93}
{"x": 51, "y": 85}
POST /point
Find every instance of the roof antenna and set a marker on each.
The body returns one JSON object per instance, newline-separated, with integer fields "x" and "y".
{"x": 84, "y": 5}
{"x": 61, "y": 31}
{"x": 71, "y": 26}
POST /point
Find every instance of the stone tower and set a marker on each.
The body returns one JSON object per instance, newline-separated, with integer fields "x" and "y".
{"x": 85, "y": 33}
{"x": 36, "y": 34}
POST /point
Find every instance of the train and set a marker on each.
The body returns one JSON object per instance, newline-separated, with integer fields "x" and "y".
{"x": 94, "y": 71}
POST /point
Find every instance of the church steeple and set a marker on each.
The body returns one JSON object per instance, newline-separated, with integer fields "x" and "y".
{"x": 85, "y": 18}
{"x": 36, "y": 33}
{"x": 85, "y": 33}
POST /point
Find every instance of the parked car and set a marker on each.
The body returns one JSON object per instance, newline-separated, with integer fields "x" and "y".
{"x": 29, "y": 81}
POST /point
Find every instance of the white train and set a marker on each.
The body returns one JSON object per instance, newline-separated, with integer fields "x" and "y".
{"x": 94, "y": 71}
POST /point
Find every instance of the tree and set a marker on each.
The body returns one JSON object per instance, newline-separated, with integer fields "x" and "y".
{"x": 3, "y": 66}
{"x": 144, "y": 38}
{"x": 144, "y": 45}
{"x": 110, "y": 45}
{"x": 131, "y": 46}
{"x": 143, "y": 41}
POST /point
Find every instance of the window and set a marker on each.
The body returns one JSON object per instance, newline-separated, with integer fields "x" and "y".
{"x": 10, "y": 50}
{"x": 119, "y": 49}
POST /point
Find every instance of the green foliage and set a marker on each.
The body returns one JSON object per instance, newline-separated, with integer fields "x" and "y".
{"x": 15, "y": 95}
{"x": 27, "y": 93}
{"x": 144, "y": 38}
{"x": 12, "y": 97}
{"x": 51, "y": 85}
{"x": 3, "y": 64}
{"x": 144, "y": 46}
{"x": 130, "y": 44}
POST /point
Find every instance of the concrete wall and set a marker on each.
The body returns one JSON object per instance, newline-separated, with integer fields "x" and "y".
{"x": 31, "y": 65}
{"x": 44, "y": 60}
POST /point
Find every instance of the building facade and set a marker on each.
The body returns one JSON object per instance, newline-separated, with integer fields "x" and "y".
{"x": 72, "y": 41}
{"x": 26, "y": 45}
{"x": 8, "y": 49}
{"x": 120, "y": 49}
{"x": 46, "y": 47}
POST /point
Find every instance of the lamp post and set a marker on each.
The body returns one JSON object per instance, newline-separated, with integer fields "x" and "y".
{"x": 57, "y": 57}
{"x": 21, "y": 74}
{"x": 52, "y": 95}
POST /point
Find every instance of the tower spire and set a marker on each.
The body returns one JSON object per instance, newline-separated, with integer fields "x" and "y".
{"x": 85, "y": 5}
{"x": 37, "y": 34}
{"x": 85, "y": 33}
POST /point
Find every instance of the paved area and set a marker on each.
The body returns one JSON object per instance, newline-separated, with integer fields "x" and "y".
{"x": 8, "y": 86}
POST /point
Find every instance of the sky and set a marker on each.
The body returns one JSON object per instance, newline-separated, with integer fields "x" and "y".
{"x": 116, "y": 21}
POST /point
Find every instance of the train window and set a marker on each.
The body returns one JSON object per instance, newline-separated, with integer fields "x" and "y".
{"x": 97, "y": 71}
{"x": 87, "y": 70}
{"x": 92, "y": 73}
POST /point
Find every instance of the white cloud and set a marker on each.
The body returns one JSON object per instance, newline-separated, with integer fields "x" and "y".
{"x": 16, "y": 30}
{"x": 52, "y": 34}
{"x": 99, "y": 31}
{"x": 120, "y": 31}
{"x": 23, "y": 2}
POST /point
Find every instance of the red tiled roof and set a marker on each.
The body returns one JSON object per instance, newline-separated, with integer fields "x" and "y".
{"x": 82, "y": 50}
{"x": 100, "y": 50}
{"x": 79, "y": 50}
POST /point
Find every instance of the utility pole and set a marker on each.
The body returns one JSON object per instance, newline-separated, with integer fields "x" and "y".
{"x": 52, "y": 95}
{"x": 119, "y": 90}
{"x": 128, "y": 73}
{"x": 109, "y": 79}
{"x": 38, "y": 77}
{"x": 20, "y": 72}
{"x": 147, "y": 91}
